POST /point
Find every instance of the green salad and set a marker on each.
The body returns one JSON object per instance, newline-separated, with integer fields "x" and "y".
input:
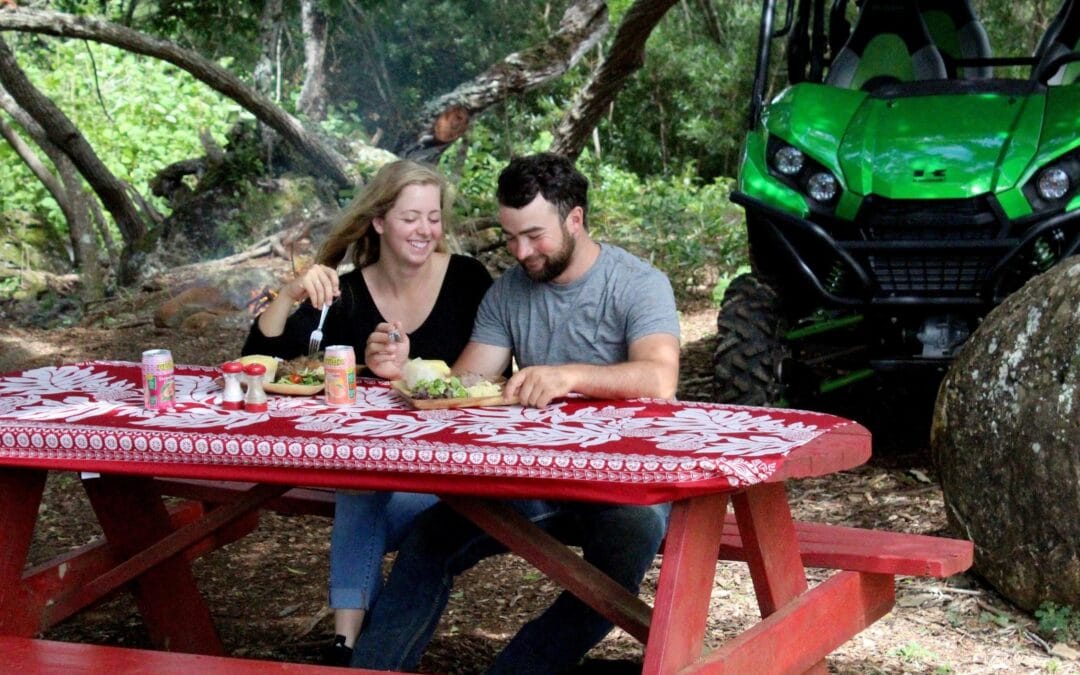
{"x": 442, "y": 388}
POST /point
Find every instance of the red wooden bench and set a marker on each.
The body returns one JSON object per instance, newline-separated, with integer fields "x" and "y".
{"x": 28, "y": 656}
{"x": 820, "y": 545}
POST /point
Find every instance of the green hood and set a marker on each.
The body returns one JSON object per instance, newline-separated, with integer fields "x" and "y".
{"x": 927, "y": 146}
{"x": 948, "y": 146}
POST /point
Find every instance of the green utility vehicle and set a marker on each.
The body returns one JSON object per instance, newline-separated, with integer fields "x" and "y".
{"x": 895, "y": 192}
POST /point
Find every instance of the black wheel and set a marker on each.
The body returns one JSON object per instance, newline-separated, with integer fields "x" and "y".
{"x": 749, "y": 345}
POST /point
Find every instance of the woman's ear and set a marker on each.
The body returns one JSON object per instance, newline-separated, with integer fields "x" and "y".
{"x": 377, "y": 223}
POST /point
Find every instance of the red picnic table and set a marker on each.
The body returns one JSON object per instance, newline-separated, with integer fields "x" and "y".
{"x": 89, "y": 417}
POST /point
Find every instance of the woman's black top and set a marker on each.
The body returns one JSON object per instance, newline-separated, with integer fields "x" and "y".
{"x": 353, "y": 316}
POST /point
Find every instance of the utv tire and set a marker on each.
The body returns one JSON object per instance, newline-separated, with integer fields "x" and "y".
{"x": 749, "y": 345}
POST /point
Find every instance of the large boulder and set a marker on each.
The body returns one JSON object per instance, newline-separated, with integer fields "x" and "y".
{"x": 1006, "y": 441}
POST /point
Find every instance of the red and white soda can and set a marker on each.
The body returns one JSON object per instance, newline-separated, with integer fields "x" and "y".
{"x": 339, "y": 366}
{"x": 159, "y": 380}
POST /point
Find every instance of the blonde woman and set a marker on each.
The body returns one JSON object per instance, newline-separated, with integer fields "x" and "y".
{"x": 403, "y": 281}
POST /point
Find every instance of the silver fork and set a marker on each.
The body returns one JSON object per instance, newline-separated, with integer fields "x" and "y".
{"x": 315, "y": 341}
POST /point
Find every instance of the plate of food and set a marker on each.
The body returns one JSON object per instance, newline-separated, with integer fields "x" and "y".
{"x": 301, "y": 376}
{"x": 429, "y": 385}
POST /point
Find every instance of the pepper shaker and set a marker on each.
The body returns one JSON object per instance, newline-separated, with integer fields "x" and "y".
{"x": 233, "y": 396}
{"x": 255, "y": 399}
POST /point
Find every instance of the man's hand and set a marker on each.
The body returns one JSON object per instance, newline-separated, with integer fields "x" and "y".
{"x": 387, "y": 350}
{"x": 536, "y": 386}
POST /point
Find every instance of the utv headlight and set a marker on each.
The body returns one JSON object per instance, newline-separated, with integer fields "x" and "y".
{"x": 788, "y": 160}
{"x": 1053, "y": 183}
{"x": 822, "y": 187}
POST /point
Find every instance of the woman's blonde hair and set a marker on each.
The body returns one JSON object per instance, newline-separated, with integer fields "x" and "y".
{"x": 353, "y": 227}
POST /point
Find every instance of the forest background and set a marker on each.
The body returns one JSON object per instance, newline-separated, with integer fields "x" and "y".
{"x": 661, "y": 153}
{"x": 147, "y": 135}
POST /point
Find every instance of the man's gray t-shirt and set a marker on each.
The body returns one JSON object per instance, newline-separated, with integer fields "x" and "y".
{"x": 590, "y": 320}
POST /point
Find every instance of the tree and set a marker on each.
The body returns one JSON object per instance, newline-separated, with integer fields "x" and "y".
{"x": 444, "y": 119}
{"x": 432, "y": 128}
{"x": 325, "y": 161}
{"x": 64, "y": 135}
{"x": 313, "y": 96}
{"x": 626, "y": 56}
{"x": 65, "y": 189}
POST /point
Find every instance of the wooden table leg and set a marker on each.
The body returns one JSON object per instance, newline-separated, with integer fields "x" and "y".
{"x": 133, "y": 517}
{"x": 799, "y": 626}
{"x": 772, "y": 548}
{"x": 20, "y": 497}
{"x": 685, "y": 586}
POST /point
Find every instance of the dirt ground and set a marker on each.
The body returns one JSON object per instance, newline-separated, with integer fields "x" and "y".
{"x": 268, "y": 591}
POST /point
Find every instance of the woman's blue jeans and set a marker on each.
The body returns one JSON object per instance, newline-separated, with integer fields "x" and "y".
{"x": 620, "y": 540}
{"x": 366, "y": 526}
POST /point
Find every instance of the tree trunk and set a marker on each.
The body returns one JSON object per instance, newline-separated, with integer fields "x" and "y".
{"x": 270, "y": 27}
{"x": 267, "y": 71}
{"x": 713, "y": 28}
{"x": 444, "y": 119}
{"x": 85, "y": 206}
{"x": 626, "y": 56}
{"x": 325, "y": 162}
{"x": 65, "y": 136}
{"x": 313, "y": 94}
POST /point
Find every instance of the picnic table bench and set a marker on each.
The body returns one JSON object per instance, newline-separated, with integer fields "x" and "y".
{"x": 28, "y": 656}
{"x": 702, "y": 457}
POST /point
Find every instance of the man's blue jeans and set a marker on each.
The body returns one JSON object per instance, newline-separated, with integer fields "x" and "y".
{"x": 619, "y": 540}
{"x": 366, "y": 526}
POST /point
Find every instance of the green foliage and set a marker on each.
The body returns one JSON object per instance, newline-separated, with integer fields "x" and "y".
{"x": 149, "y": 115}
{"x": 1058, "y": 622}
{"x": 915, "y": 654}
{"x": 688, "y": 103}
{"x": 402, "y": 53}
{"x": 687, "y": 229}
{"x": 724, "y": 281}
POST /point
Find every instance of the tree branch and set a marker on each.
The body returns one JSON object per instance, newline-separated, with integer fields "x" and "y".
{"x": 325, "y": 161}
{"x": 63, "y": 134}
{"x": 626, "y": 56}
{"x": 445, "y": 118}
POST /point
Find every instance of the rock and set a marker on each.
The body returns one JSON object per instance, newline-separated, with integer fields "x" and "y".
{"x": 1005, "y": 435}
{"x": 200, "y": 299}
{"x": 213, "y": 322}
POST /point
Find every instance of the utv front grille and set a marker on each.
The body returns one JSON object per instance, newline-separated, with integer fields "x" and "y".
{"x": 928, "y": 247}
{"x": 934, "y": 220}
{"x": 923, "y": 274}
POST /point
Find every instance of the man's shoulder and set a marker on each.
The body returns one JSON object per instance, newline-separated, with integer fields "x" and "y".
{"x": 625, "y": 262}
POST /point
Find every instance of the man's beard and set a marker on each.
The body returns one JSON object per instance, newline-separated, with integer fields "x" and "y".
{"x": 557, "y": 263}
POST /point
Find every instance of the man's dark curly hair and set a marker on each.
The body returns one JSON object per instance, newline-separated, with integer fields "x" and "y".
{"x": 548, "y": 174}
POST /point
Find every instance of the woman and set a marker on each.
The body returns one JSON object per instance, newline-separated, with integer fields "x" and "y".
{"x": 405, "y": 292}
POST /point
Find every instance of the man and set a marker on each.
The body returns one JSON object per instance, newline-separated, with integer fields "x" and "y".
{"x": 578, "y": 316}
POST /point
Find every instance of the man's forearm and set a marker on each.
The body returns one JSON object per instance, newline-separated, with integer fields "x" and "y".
{"x": 632, "y": 379}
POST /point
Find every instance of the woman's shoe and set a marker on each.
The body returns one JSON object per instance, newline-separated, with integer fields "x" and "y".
{"x": 336, "y": 653}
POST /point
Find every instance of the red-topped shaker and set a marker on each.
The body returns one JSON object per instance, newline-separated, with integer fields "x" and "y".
{"x": 255, "y": 399}
{"x": 232, "y": 398}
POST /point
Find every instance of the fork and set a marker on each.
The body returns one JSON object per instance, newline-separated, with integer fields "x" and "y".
{"x": 315, "y": 341}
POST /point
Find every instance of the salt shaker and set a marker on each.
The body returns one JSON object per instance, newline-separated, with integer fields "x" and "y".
{"x": 255, "y": 400}
{"x": 233, "y": 396}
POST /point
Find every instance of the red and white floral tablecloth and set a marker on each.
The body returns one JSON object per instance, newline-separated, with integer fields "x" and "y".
{"x": 89, "y": 417}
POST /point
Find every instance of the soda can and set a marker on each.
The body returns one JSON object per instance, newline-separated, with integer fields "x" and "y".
{"x": 339, "y": 366}
{"x": 159, "y": 380}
